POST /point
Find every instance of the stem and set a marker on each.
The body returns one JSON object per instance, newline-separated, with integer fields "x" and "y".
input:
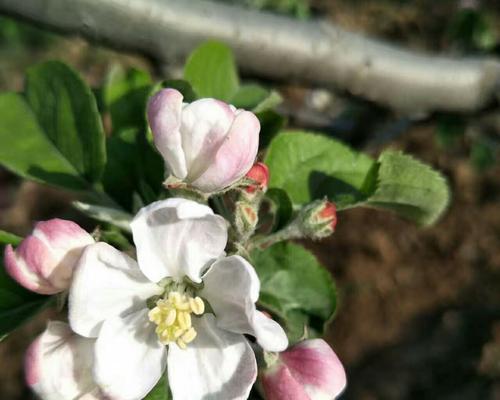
{"x": 291, "y": 231}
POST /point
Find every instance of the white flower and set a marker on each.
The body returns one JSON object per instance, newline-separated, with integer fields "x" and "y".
{"x": 183, "y": 304}
{"x": 208, "y": 144}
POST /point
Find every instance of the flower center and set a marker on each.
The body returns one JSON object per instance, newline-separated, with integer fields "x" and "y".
{"x": 172, "y": 315}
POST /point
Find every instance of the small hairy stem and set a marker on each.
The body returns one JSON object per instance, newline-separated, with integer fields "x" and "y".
{"x": 289, "y": 232}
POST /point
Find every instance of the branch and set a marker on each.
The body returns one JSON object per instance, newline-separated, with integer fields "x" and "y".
{"x": 314, "y": 52}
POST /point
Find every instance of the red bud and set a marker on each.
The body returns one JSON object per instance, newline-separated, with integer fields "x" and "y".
{"x": 259, "y": 173}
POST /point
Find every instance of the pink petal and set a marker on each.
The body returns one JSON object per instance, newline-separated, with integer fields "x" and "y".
{"x": 164, "y": 117}
{"x": 279, "y": 384}
{"x": 314, "y": 364}
{"x": 26, "y": 263}
{"x": 235, "y": 156}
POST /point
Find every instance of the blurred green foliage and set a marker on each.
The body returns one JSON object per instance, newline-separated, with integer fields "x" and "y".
{"x": 15, "y": 36}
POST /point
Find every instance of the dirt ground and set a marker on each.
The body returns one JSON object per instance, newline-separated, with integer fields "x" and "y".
{"x": 419, "y": 312}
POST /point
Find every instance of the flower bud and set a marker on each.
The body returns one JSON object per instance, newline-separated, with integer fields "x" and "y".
{"x": 44, "y": 261}
{"x": 207, "y": 144}
{"x": 309, "y": 370}
{"x": 246, "y": 218}
{"x": 318, "y": 219}
{"x": 259, "y": 174}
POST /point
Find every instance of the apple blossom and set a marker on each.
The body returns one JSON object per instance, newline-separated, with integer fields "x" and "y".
{"x": 183, "y": 295}
{"x": 310, "y": 370}
{"x": 58, "y": 365}
{"x": 44, "y": 261}
{"x": 207, "y": 144}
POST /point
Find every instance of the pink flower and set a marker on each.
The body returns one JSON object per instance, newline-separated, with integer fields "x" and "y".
{"x": 207, "y": 144}
{"x": 44, "y": 260}
{"x": 309, "y": 370}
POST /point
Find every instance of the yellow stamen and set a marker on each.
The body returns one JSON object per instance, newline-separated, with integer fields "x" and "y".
{"x": 189, "y": 336}
{"x": 172, "y": 316}
{"x": 197, "y": 305}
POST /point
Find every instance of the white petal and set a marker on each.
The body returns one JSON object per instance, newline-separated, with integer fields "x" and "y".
{"x": 234, "y": 157}
{"x": 205, "y": 124}
{"x": 217, "y": 365}
{"x": 164, "y": 117}
{"x": 129, "y": 359}
{"x": 106, "y": 283}
{"x": 232, "y": 286}
{"x": 176, "y": 238}
{"x": 59, "y": 365}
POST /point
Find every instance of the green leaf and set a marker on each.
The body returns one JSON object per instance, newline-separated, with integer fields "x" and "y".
{"x": 178, "y": 84}
{"x": 281, "y": 207}
{"x": 211, "y": 71}
{"x": 67, "y": 111}
{"x": 9, "y": 238}
{"x": 26, "y": 150}
{"x": 120, "y": 176}
{"x": 125, "y": 94}
{"x": 310, "y": 166}
{"x": 270, "y": 102}
{"x": 16, "y": 303}
{"x": 249, "y": 96}
{"x": 409, "y": 187}
{"x": 449, "y": 130}
{"x": 270, "y": 124}
{"x": 295, "y": 287}
{"x": 161, "y": 391}
{"x": 109, "y": 215}
{"x": 483, "y": 154}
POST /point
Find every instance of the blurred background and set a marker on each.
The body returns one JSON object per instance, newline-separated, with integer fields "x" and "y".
{"x": 419, "y": 313}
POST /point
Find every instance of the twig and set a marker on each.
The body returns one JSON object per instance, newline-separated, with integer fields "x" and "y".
{"x": 315, "y": 52}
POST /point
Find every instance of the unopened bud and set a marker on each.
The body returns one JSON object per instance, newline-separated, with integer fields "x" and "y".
{"x": 259, "y": 175}
{"x": 309, "y": 370}
{"x": 246, "y": 218}
{"x": 44, "y": 261}
{"x": 318, "y": 219}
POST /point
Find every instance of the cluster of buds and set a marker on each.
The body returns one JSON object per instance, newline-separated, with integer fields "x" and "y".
{"x": 310, "y": 370}
{"x": 45, "y": 260}
{"x": 247, "y": 207}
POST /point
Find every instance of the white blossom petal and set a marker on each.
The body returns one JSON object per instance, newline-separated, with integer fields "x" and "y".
{"x": 106, "y": 283}
{"x": 234, "y": 157}
{"x": 164, "y": 117}
{"x": 205, "y": 124}
{"x": 231, "y": 286}
{"x": 177, "y": 238}
{"x": 129, "y": 359}
{"x": 217, "y": 365}
{"x": 59, "y": 365}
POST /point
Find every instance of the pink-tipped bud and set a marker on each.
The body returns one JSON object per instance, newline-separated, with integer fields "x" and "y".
{"x": 259, "y": 174}
{"x": 319, "y": 219}
{"x": 44, "y": 261}
{"x": 246, "y": 217}
{"x": 309, "y": 370}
